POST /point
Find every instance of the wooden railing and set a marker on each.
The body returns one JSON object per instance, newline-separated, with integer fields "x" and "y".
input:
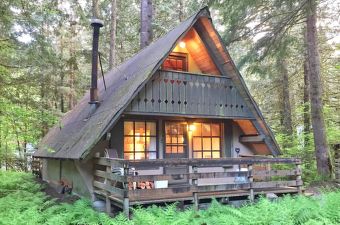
{"x": 238, "y": 174}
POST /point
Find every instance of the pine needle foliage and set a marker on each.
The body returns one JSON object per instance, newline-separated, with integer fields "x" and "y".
{"x": 22, "y": 202}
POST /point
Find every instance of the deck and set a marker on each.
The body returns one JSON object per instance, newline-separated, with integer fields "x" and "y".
{"x": 226, "y": 177}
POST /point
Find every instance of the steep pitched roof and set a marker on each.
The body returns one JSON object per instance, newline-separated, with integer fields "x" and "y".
{"x": 85, "y": 125}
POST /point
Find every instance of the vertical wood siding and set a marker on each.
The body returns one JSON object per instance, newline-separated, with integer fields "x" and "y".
{"x": 172, "y": 92}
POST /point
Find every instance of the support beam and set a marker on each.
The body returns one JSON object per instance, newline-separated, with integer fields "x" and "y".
{"x": 252, "y": 138}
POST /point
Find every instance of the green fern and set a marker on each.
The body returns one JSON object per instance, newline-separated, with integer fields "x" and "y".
{"x": 21, "y": 202}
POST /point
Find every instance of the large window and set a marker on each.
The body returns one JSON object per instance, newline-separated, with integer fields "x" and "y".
{"x": 206, "y": 140}
{"x": 176, "y": 61}
{"x": 140, "y": 140}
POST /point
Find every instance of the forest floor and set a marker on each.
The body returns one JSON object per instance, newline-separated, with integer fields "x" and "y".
{"x": 24, "y": 200}
{"x": 52, "y": 193}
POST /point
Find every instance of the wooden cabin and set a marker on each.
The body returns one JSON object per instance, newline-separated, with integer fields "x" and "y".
{"x": 176, "y": 122}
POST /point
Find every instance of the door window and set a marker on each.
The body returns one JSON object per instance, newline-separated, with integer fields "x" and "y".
{"x": 175, "y": 138}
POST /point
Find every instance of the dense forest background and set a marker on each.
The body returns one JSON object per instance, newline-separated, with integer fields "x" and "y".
{"x": 45, "y": 62}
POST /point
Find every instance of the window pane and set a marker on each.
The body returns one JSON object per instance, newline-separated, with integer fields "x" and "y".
{"x": 168, "y": 149}
{"x": 206, "y": 143}
{"x": 216, "y": 144}
{"x": 167, "y": 129}
{"x": 197, "y": 129}
{"x": 174, "y": 130}
{"x": 180, "y": 139}
{"x": 216, "y": 155}
{"x": 197, "y": 143}
{"x": 180, "y": 128}
{"x": 215, "y": 129}
{"x": 128, "y": 128}
{"x": 128, "y": 156}
{"x": 206, "y": 154}
{"x": 174, "y": 149}
{"x": 139, "y": 155}
{"x": 168, "y": 139}
{"x": 151, "y": 129}
{"x": 151, "y": 155}
{"x": 180, "y": 149}
{"x": 206, "y": 129}
{"x": 139, "y": 128}
{"x": 198, "y": 155}
{"x": 139, "y": 144}
{"x": 128, "y": 144}
{"x": 150, "y": 144}
{"x": 174, "y": 139}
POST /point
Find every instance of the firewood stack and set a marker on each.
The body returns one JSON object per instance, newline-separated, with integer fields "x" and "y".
{"x": 141, "y": 185}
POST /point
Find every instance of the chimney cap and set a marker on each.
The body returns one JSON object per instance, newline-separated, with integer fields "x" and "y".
{"x": 97, "y": 22}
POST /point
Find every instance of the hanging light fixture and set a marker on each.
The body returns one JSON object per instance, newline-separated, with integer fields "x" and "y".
{"x": 181, "y": 44}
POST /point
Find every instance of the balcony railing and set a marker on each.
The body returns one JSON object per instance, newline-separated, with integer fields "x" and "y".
{"x": 180, "y": 93}
{"x": 236, "y": 177}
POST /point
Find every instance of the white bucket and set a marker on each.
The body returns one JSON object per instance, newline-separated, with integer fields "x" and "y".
{"x": 161, "y": 184}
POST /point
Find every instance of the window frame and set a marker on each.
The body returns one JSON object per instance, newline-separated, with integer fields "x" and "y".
{"x": 134, "y": 121}
{"x": 178, "y": 56}
{"x": 211, "y": 142}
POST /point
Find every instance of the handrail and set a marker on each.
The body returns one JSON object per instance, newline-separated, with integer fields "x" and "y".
{"x": 201, "y": 162}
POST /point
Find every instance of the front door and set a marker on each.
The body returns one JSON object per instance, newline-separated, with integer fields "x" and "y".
{"x": 176, "y": 146}
{"x": 176, "y": 140}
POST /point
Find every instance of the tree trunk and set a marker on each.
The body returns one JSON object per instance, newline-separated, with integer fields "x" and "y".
{"x": 72, "y": 67}
{"x": 146, "y": 26}
{"x": 286, "y": 108}
{"x": 318, "y": 123}
{"x": 180, "y": 11}
{"x": 113, "y": 25}
{"x": 95, "y": 8}
{"x": 306, "y": 103}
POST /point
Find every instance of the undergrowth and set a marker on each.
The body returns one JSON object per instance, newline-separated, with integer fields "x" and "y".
{"x": 22, "y": 202}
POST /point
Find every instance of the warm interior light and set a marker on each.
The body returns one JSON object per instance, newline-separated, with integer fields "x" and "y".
{"x": 192, "y": 127}
{"x": 182, "y": 44}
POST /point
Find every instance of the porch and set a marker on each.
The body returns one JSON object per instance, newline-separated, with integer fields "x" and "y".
{"x": 204, "y": 179}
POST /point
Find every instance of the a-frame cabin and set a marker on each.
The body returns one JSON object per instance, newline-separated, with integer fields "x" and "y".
{"x": 176, "y": 123}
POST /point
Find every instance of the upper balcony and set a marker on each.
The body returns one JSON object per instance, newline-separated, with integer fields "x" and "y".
{"x": 191, "y": 94}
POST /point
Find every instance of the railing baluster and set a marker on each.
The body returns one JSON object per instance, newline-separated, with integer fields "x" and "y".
{"x": 251, "y": 179}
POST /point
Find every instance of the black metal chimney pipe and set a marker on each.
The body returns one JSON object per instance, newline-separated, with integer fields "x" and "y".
{"x": 97, "y": 24}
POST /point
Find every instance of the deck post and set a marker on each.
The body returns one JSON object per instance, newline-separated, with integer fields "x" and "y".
{"x": 126, "y": 203}
{"x": 194, "y": 184}
{"x": 337, "y": 162}
{"x": 298, "y": 177}
{"x": 107, "y": 193}
{"x": 251, "y": 180}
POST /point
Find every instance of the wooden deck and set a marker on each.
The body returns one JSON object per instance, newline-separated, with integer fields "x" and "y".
{"x": 226, "y": 177}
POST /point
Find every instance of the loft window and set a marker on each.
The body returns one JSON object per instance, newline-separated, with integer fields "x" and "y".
{"x": 206, "y": 140}
{"x": 176, "y": 61}
{"x": 140, "y": 140}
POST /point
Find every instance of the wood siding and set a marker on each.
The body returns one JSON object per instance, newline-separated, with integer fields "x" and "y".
{"x": 170, "y": 92}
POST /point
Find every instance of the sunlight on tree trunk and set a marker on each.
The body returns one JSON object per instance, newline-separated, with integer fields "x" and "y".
{"x": 146, "y": 26}
{"x": 318, "y": 123}
{"x": 113, "y": 28}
